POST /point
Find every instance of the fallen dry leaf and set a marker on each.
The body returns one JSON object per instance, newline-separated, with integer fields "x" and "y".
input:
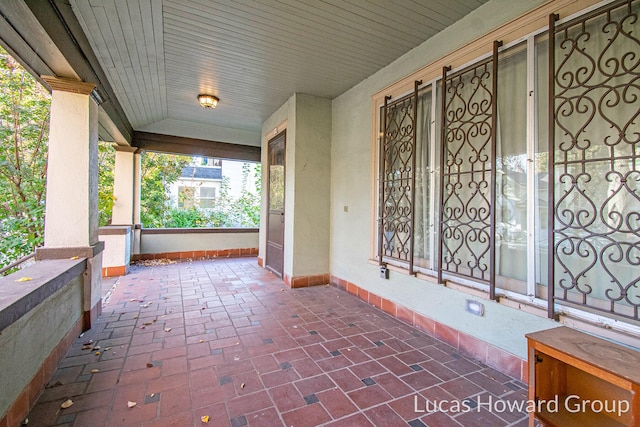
{"x": 201, "y": 340}
{"x": 131, "y": 404}
{"x": 74, "y": 257}
{"x": 149, "y": 365}
{"x": 205, "y": 418}
{"x": 24, "y": 279}
{"x": 148, "y": 323}
{"x": 154, "y": 262}
{"x": 66, "y": 404}
{"x": 167, "y": 329}
{"x": 242, "y": 385}
{"x": 95, "y": 371}
{"x": 97, "y": 353}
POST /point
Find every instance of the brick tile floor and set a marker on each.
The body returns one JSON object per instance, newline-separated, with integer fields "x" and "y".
{"x": 228, "y": 340}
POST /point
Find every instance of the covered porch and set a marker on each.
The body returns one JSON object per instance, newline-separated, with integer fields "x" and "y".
{"x": 390, "y": 263}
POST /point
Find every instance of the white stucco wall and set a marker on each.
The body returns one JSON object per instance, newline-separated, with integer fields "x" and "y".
{"x": 351, "y": 186}
{"x": 117, "y": 247}
{"x": 312, "y": 186}
{"x": 187, "y": 242}
{"x": 307, "y": 183}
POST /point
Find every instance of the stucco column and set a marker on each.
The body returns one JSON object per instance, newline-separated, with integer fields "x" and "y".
{"x": 307, "y": 188}
{"x": 71, "y": 216}
{"x": 137, "y": 183}
{"x": 123, "y": 186}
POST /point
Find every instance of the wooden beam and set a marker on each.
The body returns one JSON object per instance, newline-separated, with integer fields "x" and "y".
{"x": 194, "y": 147}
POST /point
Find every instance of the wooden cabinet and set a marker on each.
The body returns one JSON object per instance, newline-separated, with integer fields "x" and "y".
{"x": 576, "y": 379}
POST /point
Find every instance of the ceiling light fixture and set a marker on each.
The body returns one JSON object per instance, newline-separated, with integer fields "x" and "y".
{"x": 208, "y": 101}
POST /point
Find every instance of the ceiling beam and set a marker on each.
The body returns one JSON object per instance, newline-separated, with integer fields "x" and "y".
{"x": 194, "y": 147}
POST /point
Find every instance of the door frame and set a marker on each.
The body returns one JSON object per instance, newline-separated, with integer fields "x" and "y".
{"x": 280, "y": 134}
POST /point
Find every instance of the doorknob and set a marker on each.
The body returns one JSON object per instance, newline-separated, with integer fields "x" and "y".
{"x": 282, "y": 217}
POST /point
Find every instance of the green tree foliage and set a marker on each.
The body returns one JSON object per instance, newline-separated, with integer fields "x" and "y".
{"x": 24, "y": 132}
{"x": 106, "y": 164}
{"x": 227, "y": 211}
{"x": 243, "y": 211}
{"x": 191, "y": 217}
{"x": 158, "y": 171}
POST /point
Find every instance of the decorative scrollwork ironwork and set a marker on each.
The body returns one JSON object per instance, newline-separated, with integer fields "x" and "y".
{"x": 397, "y": 175}
{"x": 467, "y": 222}
{"x": 595, "y": 160}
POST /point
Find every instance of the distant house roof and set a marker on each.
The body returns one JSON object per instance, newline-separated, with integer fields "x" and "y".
{"x": 201, "y": 172}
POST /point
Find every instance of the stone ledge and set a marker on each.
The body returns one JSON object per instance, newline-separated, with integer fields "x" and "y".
{"x": 47, "y": 277}
{"x": 114, "y": 229}
{"x": 66, "y": 253}
{"x": 197, "y": 230}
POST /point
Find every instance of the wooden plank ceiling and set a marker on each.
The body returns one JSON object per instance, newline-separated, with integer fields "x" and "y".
{"x": 252, "y": 54}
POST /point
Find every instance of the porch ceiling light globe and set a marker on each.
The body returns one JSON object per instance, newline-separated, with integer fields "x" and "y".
{"x": 208, "y": 101}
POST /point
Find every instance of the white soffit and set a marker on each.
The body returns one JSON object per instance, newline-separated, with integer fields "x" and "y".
{"x": 159, "y": 54}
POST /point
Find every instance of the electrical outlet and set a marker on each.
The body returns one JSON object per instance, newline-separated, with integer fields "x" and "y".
{"x": 384, "y": 272}
{"x": 474, "y": 307}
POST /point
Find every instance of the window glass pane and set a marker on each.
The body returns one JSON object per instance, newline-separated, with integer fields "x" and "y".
{"x": 186, "y": 197}
{"x": 541, "y": 164}
{"x": 511, "y": 171}
{"x": 597, "y": 168}
{"x": 207, "y": 203}
{"x": 422, "y": 221}
{"x": 467, "y": 174}
{"x": 398, "y": 175}
{"x": 207, "y": 192}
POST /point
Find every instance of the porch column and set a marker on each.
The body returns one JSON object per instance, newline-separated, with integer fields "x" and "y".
{"x": 137, "y": 183}
{"x": 71, "y": 216}
{"x": 123, "y": 186}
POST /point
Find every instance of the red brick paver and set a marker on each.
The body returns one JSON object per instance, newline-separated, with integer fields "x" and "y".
{"x": 228, "y": 340}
